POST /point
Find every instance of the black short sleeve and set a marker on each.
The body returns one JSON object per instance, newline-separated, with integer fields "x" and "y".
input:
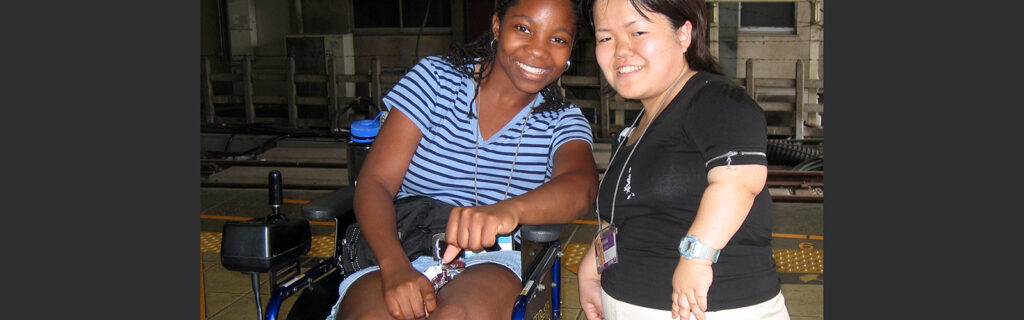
{"x": 727, "y": 126}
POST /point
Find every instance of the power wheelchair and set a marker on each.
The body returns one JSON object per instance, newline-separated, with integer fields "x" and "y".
{"x": 275, "y": 245}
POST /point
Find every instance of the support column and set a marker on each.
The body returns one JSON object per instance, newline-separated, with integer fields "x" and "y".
{"x": 458, "y": 14}
{"x": 293, "y": 106}
{"x": 798, "y": 106}
{"x": 211, "y": 114}
{"x": 814, "y": 55}
{"x": 815, "y": 38}
{"x": 375, "y": 83}
{"x": 605, "y": 116}
{"x": 727, "y": 22}
{"x": 333, "y": 108}
{"x": 298, "y": 17}
{"x": 242, "y": 26}
{"x": 247, "y": 98}
{"x": 713, "y": 29}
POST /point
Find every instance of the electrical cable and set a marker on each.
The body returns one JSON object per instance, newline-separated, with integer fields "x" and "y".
{"x": 283, "y": 133}
{"x": 426, "y": 13}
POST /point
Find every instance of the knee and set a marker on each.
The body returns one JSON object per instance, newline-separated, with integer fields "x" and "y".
{"x": 362, "y": 315}
{"x": 450, "y": 312}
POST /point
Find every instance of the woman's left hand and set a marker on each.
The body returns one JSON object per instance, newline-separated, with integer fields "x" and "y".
{"x": 476, "y": 228}
{"x": 690, "y": 283}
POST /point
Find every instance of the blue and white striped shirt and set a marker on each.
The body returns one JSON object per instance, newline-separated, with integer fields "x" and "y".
{"x": 436, "y": 97}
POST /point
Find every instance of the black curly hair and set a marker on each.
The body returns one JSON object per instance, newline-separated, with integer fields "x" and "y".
{"x": 480, "y": 51}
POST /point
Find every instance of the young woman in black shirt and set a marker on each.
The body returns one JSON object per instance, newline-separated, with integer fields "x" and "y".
{"x": 684, "y": 195}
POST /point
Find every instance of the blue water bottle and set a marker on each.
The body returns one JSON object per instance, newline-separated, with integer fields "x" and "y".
{"x": 362, "y": 134}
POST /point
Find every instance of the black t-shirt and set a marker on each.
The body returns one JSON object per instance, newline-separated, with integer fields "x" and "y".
{"x": 661, "y": 188}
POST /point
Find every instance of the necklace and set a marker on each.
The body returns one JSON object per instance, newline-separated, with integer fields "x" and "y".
{"x": 615, "y": 192}
{"x": 515, "y": 156}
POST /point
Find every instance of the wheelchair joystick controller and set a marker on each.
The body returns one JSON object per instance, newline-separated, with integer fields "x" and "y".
{"x": 274, "y": 185}
{"x": 271, "y": 244}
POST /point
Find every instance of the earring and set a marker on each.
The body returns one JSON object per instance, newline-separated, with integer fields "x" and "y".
{"x": 567, "y": 64}
{"x": 494, "y": 45}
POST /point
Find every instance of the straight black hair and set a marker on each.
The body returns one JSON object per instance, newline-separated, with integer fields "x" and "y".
{"x": 678, "y": 12}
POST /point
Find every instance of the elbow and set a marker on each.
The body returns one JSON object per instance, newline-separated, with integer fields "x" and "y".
{"x": 588, "y": 193}
{"x": 592, "y": 190}
{"x": 577, "y": 193}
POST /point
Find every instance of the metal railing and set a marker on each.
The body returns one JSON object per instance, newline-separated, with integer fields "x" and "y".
{"x": 609, "y": 110}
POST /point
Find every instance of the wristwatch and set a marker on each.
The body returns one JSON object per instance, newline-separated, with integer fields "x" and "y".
{"x": 690, "y": 247}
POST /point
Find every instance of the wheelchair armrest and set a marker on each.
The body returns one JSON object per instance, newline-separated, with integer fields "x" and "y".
{"x": 330, "y": 206}
{"x": 541, "y": 233}
{"x": 336, "y": 204}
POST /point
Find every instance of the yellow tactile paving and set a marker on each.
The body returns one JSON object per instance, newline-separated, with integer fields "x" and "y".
{"x": 799, "y": 260}
{"x": 572, "y": 255}
{"x": 787, "y": 260}
{"x": 321, "y": 246}
{"x": 209, "y": 242}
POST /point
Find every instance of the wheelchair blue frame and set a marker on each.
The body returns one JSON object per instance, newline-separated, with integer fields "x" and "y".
{"x": 534, "y": 283}
{"x": 300, "y": 282}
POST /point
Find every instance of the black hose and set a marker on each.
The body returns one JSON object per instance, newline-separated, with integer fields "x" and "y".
{"x": 813, "y": 164}
{"x": 788, "y": 153}
{"x": 280, "y": 134}
{"x": 362, "y": 105}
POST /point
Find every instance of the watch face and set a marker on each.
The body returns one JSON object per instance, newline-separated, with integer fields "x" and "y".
{"x": 686, "y": 248}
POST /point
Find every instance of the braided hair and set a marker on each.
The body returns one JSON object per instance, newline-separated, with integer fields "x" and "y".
{"x": 464, "y": 57}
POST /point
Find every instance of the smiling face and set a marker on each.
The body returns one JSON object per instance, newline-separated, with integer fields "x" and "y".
{"x": 640, "y": 57}
{"x": 534, "y": 42}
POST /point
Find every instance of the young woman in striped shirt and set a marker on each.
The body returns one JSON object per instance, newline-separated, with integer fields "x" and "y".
{"x": 484, "y": 128}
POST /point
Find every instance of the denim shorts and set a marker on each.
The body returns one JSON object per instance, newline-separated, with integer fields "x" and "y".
{"x": 506, "y": 258}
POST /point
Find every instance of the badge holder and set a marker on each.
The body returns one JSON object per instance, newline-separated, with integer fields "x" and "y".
{"x": 604, "y": 243}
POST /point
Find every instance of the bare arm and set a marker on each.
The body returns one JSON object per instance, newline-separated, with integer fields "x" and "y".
{"x": 566, "y": 196}
{"x": 570, "y": 192}
{"x": 727, "y": 200}
{"x": 407, "y": 293}
{"x": 590, "y": 281}
{"x": 379, "y": 180}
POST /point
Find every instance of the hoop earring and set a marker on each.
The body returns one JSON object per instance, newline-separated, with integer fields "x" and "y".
{"x": 494, "y": 45}
{"x": 567, "y": 64}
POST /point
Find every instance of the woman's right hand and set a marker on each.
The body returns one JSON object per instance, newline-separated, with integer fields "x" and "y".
{"x": 590, "y": 286}
{"x": 407, "y": 293}
{"x": 590, "y": 298}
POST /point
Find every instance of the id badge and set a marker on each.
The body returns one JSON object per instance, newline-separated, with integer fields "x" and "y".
{"x": 604, "y": 243}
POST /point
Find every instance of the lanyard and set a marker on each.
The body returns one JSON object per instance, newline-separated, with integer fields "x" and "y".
{"x": 476, "y": 149}
{"x": 615, "y": 191}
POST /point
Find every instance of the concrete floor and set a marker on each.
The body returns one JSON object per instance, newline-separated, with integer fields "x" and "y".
{"x": 229, "y": 294}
